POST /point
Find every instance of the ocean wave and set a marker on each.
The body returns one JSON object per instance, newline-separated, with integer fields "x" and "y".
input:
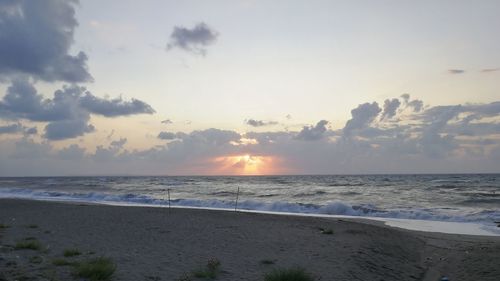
{"x": 328, "y": 208}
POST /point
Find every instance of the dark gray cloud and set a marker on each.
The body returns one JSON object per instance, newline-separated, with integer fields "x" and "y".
{"x": 17, "y": 128}
{"x": 362, "y": 116}
{"x": 194, "y": 40}
{"x": 312, "y": 133}
{"x": 167, "y": 135}
{"x": 456, "y": 71}
{"x": 167, "y": 121}
{"x": 114, "y": 107}
{"x": 67, "y": 129}
{"x": 390, "y": 108}
{"x": 260, "y": 123}
{"x": 68, "y": 112}
{"x": 36, "y": 39}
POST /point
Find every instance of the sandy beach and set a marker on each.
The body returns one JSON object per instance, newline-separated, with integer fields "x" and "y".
{"x": 159, "y": 244}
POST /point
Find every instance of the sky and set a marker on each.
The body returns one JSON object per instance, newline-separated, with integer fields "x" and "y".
{"x": 249, "y": 87}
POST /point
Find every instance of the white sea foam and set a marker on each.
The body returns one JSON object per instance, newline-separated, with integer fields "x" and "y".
{"x": 413, "y": 219}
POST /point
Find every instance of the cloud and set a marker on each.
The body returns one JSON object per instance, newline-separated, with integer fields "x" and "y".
{"x": 67, "y": 129}
{"x": 489, "y": 70}
{"x": 17, "y": 128}
{"x": 390, "y": 107}
{"x": 362, "y": 116}
{"x": 194, "y": 40}
{"x": 68, "y": 112}
{"x": 310, "y": 133}
{"x": 30, "y": 150}
{"x": 167, "y": 121}
{"x": 114, "y": 107}
{"x": 444, "y": 138}
{"x": 167, "y": 136}
{"x": 260, "y": 123}
{"x": 72, "y": 153}
{"x": 31, "y": 131}
{"x": 36, "y": 40}
{"x": 11, "y": 129}
{"x": 118, "y": 143}
{"x": 456, "y": 71}
{"x": 416, "y": 105}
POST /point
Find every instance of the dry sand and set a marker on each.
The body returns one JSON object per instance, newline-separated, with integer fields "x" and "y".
{"x": 157, "y": 244}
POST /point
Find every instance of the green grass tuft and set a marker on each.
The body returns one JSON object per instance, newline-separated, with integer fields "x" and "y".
{"x": 210, "y": 271}
{"x": 99, "y": 269}
{"x": 71, "y": 252}
{"x": 3, "y": 226}
{"x": 28, "y": 245}
{"x": 291, "y": 274}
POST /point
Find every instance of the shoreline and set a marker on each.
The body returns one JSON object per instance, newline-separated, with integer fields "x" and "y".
{"x": 430, "y": 226}
{"x": 151, "y": 243}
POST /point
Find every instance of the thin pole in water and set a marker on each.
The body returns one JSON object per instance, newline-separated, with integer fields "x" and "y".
{"x": 168, "y": 192}
{"x": 237, "y": 195}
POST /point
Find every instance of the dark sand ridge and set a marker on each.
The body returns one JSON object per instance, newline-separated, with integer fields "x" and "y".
{"x": 155, "y": 244}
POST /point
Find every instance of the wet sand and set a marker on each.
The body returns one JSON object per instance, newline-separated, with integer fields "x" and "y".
{"x": 159, "y": 244}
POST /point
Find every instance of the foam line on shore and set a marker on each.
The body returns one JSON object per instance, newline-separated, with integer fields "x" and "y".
{"x": 463, "y": 228}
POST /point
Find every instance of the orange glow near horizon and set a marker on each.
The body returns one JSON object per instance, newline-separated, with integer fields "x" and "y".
{"x": 247, "y": 165}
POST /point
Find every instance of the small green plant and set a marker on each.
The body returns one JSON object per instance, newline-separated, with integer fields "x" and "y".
{"x": 213, "y": 264}
{"x": 36, "y": 259}
{"x": 291, "y": 274}
{"x": 210, "y": 271}
{"x": 28, "y": 245}
{"x": 61, "y": 262}
{"x": 71, "y": 252}
{"x": 99, "y": 269}
{"x": 3, "y": 226}
{"x": 266, "y": 261}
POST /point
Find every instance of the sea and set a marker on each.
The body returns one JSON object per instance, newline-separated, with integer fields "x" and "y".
{"x": 454, "y": 198}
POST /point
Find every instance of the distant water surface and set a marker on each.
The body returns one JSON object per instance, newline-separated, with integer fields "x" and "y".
{"x": 456, "y": 198}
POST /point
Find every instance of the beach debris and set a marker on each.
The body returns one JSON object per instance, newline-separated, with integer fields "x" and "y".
{"x": 325, "y": 231}
{"x": 185, "y": 277}
{"x": 267, "y": 261}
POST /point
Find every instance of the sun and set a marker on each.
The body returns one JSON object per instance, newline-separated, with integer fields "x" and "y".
{"x": 245, "y": 164}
